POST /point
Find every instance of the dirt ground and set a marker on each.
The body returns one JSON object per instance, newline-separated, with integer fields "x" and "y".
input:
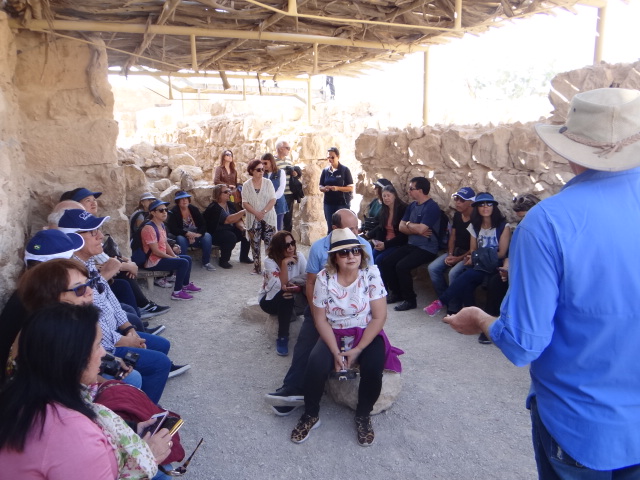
{"x": 460, "y": 414}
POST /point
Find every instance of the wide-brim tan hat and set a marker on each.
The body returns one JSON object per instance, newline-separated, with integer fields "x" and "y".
{"x": 602, "y": 131}
{"x": 342, "y": 238}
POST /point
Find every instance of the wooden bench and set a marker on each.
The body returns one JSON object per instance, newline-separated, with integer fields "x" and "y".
{"x": 151, "y": 275}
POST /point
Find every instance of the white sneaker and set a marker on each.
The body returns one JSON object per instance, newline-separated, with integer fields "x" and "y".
{"x": 163, "y": 282}
{"x": 209, "y": 267}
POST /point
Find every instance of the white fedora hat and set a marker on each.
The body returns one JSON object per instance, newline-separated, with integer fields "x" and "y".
{"x": 602, "y": 131}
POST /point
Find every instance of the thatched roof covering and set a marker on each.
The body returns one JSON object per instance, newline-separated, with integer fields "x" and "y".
{"x": 275, "y": 37}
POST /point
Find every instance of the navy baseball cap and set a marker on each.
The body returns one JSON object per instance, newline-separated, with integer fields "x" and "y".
{"x": 50, "y": 244}
{"x": 84, "y": 193}
{"x": 465, "y": 193}
{"x": 76, "y": 220}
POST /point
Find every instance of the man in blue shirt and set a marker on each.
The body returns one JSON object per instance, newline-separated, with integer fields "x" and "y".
{"x": 288, "y": 397}
{"x": 572, "y": 308}
{"x": 420, "y": 220}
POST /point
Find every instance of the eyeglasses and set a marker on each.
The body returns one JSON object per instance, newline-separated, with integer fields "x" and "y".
{"x": 92, "y": 283}
{"x": 485, "y": 204}
{"x": 331, "y": 158}
{"x": 456, "y": 198}
{"x": 286, "y": 148}
{"x": 292, "y": 243}
{"x": 227, "y": 192}
{"x": 161, "y": 210}
{"x": 94, "y": 233}
{"x": 181, "y": 470}
{"x": 344, "y": 253}
{"x": 258, "y": 169}
{"x": 411, "y": 189}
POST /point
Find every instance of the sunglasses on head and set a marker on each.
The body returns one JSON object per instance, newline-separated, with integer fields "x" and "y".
{"x": 92, "y": 283}
{"x": 355, "y": 251}
{"x": 292, "y": 243}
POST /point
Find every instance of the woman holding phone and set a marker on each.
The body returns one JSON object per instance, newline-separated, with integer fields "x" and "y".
{"x": 284, "y": 275}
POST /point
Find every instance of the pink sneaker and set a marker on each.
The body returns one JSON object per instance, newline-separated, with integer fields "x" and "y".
{"x": 181, "y": 295}
{"x": 433, "y": 308}
{"x": 191, "y": 288}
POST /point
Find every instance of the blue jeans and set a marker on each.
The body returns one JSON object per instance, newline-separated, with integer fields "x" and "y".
{"x": 464, "y": 287}
{"x": 204, "y": 242}
{"x": 556, "y": 464}
{"x": 124, "y": 293}
{"x": 307, "y": 338}
{"x": 329, "y": 210}
{"x": 280, "y": 221}
{"x": 134, "y": 378}
{"x": 153, "y": 364}
{"x": 379, "y": 256}
{"x": 182, "y": 266}
{"x": 437, "y": 270}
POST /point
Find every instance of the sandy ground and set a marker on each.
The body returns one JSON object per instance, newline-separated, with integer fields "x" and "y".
{"x": 460, "y": 415}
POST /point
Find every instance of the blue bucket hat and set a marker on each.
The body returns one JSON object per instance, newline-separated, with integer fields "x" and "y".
{"x": 484, "y": 197}
{"x": 84, "y": 193}
{"x": 465, "y": 193}
{"x": 76, "y": 220}
{"x": 51, "y": 244}
{"x": 156, "y": 204}
{"x": 181, "y": 194}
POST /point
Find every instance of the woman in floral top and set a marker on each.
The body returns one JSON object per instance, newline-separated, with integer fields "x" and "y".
{"x": 349, "y": 309}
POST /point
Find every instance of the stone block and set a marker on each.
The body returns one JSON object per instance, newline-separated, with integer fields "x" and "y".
{"x": 157, "y": 172}
{"x": 168, "y": 194}
{"x": 143, "y": 149}
{"x": 180, "y": 159}
{"x": 162, "y": 184}
{"x": 345, "y": 392}
{"x": 492, "y": 148}
{"x": 169, "y": 149}
{"x": 180, "y": 170}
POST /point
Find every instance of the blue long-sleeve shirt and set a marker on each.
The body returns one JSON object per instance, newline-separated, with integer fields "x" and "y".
{"x": 573, "y": 312}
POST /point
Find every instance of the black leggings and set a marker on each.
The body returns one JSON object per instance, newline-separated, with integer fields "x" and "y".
{"x": 320, "y": 364}
{"x": 283, "y": 307}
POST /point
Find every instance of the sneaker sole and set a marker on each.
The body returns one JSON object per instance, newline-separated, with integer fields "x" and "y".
{"x": 180, "y": 371}
{"x": 284, "y": 414}
{"x": 178, "y": 298}
{"x": 316, "y": 425}
{"x": 144, "y": 315}
{"x": 291, "y": 401}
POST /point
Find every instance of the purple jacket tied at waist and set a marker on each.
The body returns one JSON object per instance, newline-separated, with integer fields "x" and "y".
{"x": 391, "y": 362}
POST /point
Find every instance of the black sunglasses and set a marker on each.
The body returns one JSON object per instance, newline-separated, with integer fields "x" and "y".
{"x": 258, "y": 169}
{"x": 485, "y": 204}
{"x": 292, "y": 243}
{"x": 181, "y": 470}
{"x": 344, "y": 253}
{"x": 161, "y": 210}
{"x": 93, "y": 283}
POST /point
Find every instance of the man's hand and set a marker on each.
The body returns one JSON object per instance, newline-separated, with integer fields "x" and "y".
{"x": 131, "y": 269}
{"x": 110, "y": 268}
{"x": 470, "y": 321}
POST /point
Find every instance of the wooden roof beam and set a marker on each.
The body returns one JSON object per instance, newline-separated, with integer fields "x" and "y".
{"x": 90, "y": 26}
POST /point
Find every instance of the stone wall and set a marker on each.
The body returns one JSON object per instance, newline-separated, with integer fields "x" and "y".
{"x": 57, "y": 134}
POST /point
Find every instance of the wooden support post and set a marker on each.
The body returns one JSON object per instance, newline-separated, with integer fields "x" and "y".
{"x": 425, "y": 92}
{"x": 597, "y": 53}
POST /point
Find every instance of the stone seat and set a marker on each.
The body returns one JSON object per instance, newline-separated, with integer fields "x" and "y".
{"x": 150, "y": 275}
{"x": 345, "y": 392}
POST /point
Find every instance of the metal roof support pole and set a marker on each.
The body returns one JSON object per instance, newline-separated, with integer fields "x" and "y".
{"x": 309, "y": 100}
{"x": 597, "y": 52}
{"x": 425, "y": 93}
{"x": 315, "y": 58}
{"x": 194, "y": 56}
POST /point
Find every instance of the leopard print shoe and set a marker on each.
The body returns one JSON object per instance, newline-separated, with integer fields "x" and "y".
{"x": 304, "y": 427}
{"x": 364, "y": 430}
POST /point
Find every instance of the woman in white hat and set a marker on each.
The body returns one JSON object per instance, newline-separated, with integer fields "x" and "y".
{"x": 349, "y": 311}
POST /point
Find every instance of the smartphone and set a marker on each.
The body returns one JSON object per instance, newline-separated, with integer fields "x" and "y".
{"x": 173, "y": 424}
{"x": 155, "y": 426}
{"x": 293, "y": 288}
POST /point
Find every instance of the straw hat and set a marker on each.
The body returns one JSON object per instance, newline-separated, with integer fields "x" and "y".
{"x": 602, "y": 131}
{"x": 343, "y": 238}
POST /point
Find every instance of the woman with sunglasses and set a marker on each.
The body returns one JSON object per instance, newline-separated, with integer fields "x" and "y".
{"x": 279, "y": 179}
{"x": 349, "y": 311}
{"x": 337, "y": 185}
{"x": 161, "y": 257}
{"x": 49, "y": 426}
{"x": 61, "y": 281}
{"x": 226, "y": 173}
{"x": 284, "y": 275}
{"x": 489, "y": 231}
{"x": 225, "y": 223}
{"x": 259, "y": 198}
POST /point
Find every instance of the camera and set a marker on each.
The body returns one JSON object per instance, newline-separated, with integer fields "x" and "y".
{"x": 111, "y": 366}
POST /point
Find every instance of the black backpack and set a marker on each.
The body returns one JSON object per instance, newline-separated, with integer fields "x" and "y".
{"x": 295, "y": 185}
{"x": 444, "y": 228}
{"x": 137, "y": 253}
